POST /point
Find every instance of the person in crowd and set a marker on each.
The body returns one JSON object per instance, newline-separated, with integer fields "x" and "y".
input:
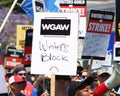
{"x": 103, "y": 75}
{"x": 81, "y": 87}
{"x": 31, "y": 77}
{"x": 43, "y": 86}
{"x": 84, "y": 73}
{"x": 78, "y": 64}
{"x": 61, "y": 85}
{"x": 16, "y": 86}
{"x": 113, "y": 94}
{"x": 78, "y": 76}
{"x": 96, "y": 81}
{"x": 44, "y": 94}
{"x": 29, "y": 90}
{"x": 20, "y": 70}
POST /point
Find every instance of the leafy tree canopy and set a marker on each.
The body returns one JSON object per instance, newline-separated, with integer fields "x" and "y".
{"x": 8, "y": 3}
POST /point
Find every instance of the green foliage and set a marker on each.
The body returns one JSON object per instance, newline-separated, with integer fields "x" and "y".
{"x": 8, "y": 3}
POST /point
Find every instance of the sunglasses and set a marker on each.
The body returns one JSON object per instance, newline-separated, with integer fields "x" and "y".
{"x": 22, "y": 74}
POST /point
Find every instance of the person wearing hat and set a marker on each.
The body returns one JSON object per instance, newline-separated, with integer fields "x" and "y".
{"x": 16, "y": 85}
{"x": 103, "y": 74}
{"x": 81, "y": 88}
{"x": 21, "y": 71}
{"x": 29, "y": 89}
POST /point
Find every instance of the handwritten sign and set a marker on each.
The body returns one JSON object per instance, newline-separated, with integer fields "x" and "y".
{"x": 93, "y": 45}
{"x": 98, "y": 34}
{"x": 55, "y": 51}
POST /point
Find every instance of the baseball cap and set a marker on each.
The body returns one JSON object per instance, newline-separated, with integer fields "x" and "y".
{"x": 76, "y": 85}
{"x": 15, "y": 78}
{"x": 107, "y": 71}
{"x": 16, "y": 70}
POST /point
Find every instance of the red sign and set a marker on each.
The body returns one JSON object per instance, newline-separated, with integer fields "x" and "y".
{"x": 100, "y": 22}
{"x": 80, "y": 9}
{"x": 28, "y": 47}
{"x": 11, "y": 62}
{"x": 27, "y": 55}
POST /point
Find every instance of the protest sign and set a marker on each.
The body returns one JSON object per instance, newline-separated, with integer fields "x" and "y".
{"x": 21, "y": 31}
{"x": 76, "y": 6}
{"x": 117, "y": 27}
{"x": 3, "y": 87}
{"x": 98, "y": 34}
{"x": 28, "y": 47}
{"x": 38, "y": 6}
{"x": 97, "y": 64}
{"x": 54, "y": 47}
{"x": 13, "y": 57}
{"x": 116, "y": 56}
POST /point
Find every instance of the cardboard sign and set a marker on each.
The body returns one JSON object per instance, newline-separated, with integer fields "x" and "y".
{"x": 13, "y": 52}
{"x": 3, "y": 87}
{"x": 117, "y": 27}
{"x": 38, "y": 6}
{"x": 98, "y": 34}
{"x": 97, "y": 64}
{"x": 116, "y": 56}
{"x": 13, "y": 57}
{"x": 56, "y": 51}
{"x": 21, "y": 31}
{"x": 28, "y": 47}
{"x": 76, "y": 6}
{"x": 11, "y": 62}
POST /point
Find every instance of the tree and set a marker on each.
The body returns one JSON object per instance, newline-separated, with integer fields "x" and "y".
{"x": 8, "y": 3}
{"x": 17, "y": 17}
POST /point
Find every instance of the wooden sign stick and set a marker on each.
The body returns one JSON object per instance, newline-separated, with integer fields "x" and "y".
{"x": 89, "y": 69}
{"x": 52, "y": 89}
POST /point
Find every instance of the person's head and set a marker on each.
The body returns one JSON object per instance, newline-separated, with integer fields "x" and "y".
{"x": 84, "y": 73}
{"x": 81, "y": 88}
{"x": 21, "y": 71}
{"x": 103, "y": 75}
{"x": 95, "y": 76}
{"x": 40, "y": 81}
{"x": 78, "y": 63}
{"x": 16, "y": 84}
{"x": 78, "y": 76}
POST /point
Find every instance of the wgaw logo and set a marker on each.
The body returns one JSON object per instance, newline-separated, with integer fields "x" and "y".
{"x": 55, "y": 26}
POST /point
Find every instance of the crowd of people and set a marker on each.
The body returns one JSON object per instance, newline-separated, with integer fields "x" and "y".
{"x": 22, "y": 83}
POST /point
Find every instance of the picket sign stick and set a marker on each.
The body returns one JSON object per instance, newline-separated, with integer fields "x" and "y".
{"x": 44, "y": 89}
{"x": 8, "y": 14}
{"x": 52, "y": 89}
{"x": 89, "y": 69}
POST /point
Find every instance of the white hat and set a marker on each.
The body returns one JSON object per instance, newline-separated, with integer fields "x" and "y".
{"x": 105, "y": 70}
{"x": 15, "y": 78}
